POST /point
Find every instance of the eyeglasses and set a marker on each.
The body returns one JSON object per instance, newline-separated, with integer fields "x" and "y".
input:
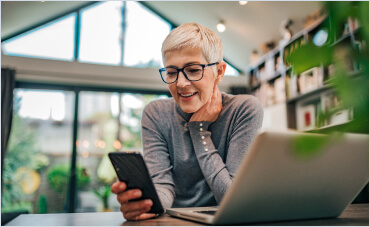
{"x": 192, "y": 72}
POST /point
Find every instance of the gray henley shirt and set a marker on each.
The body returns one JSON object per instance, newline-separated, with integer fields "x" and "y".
{"x": 192, "y": 164}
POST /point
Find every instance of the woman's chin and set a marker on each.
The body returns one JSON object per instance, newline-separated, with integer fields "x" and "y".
{"x": 189, "y": 109}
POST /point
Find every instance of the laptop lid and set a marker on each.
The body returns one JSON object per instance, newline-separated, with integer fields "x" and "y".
{"x": 291, "y": 176}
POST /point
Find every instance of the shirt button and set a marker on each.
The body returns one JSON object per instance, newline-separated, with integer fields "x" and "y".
{"x": 201, "y": 129}
{"x": 203, "y": 137}
{"x": 201, "y": 124}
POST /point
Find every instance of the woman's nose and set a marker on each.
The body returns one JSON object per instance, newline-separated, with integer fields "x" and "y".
{"x": 182, "y": 81}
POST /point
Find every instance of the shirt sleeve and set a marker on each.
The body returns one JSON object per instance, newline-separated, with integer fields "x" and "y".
{"x": 219, "y": 174}
{"x": 157, "y": 157}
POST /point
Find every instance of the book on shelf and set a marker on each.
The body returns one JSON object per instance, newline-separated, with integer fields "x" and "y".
{"x": 262, "y": 94}
{"x": 270, "y": 94}
{"x": 279, "y": 90}
{"x": 331, "y": 71}
{"x": 310, "y": 80}
{"x": 253, "y": 78}
{"x": 353, "y": 24}
{"x": 279, "y": 65}
{"x": 291, "y": 86}
{"x": 270, "y": 68}
{"x": 261, "y": 72}
{"x": 330, "y": 103}
{"x": 306, "y": 117}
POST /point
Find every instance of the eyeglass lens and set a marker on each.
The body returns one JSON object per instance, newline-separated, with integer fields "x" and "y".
{"x": 193, "y": 72}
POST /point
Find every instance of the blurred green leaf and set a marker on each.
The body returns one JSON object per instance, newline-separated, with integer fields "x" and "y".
{"x": 308, "y": 56}
{"x": 309, "y": 148}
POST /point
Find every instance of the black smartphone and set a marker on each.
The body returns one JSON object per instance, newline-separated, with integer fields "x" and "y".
{"x": 131, "y": 169}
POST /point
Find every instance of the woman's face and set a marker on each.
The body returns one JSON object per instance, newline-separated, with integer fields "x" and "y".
{"x": 200, "y": 91}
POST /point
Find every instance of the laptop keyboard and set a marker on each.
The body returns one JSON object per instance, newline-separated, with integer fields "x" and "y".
{"x": 211, "y": 212}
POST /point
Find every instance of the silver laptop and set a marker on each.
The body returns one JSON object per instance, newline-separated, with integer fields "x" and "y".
{"x": 291, "y": 176}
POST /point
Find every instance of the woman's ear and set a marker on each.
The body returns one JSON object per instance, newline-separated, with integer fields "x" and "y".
{"x": 221, "y": 67}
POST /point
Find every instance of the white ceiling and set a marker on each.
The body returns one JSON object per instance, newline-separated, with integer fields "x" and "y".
{"x": 247, "y": 26}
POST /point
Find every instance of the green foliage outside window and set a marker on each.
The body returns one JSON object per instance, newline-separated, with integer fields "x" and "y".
{"x": 58, "y": 177}
{"x": 21, "y": 152}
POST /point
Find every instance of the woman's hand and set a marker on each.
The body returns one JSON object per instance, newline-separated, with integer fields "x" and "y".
{"x": 132, "y": 210}
{"x": 211, "y": 110}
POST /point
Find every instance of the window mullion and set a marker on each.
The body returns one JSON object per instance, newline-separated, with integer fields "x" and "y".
{"x": 72, "y": 186}
{"x": 77, "y": 36}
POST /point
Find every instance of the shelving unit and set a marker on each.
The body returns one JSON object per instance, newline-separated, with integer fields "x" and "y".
{"x": 310, "y": 94}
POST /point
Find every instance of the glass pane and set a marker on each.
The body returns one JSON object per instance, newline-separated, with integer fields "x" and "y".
{"x": 231, "y": 71}
{"x": 101, "y": 32}
{"x": 131, "y": 110}
{"x": 37, "y": 162}
{"x": 54, "y": 41}
{"x": 145, "y": 33}
{"x": 107, "y": 122}
{"x": 96, "y": 136}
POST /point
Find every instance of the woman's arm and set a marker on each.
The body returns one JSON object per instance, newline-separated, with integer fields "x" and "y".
{"x": 156, "y": 155}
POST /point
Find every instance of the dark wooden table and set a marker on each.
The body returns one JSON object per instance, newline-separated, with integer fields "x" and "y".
{"x": 355, "y": 214}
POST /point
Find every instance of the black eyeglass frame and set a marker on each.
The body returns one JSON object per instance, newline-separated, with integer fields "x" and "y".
{"x": 183, "y": 72}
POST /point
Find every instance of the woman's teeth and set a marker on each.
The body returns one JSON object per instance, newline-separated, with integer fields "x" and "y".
{"x": 188, "y": 95}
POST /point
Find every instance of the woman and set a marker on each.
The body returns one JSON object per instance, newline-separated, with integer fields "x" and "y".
{"x": 194, "y": 142}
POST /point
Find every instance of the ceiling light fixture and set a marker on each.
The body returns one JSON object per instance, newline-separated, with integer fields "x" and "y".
{"x": 221, "y": 26}
{"x": 243, "y": 2}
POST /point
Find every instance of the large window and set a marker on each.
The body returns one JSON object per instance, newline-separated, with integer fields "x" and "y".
{"x": 54, "y": 40}
{"x": 37, "y": 165}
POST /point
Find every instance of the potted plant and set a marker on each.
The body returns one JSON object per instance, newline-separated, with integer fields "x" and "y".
{"x": 103, "y": 192}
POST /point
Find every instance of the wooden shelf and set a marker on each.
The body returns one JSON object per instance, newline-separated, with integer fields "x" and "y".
{"x": 308, "y": 94}
{"x": 341, "y": 39}
{"x": 331, "y": 128}
{"x": 349, "y": 126}
{"x": 272, "y": 78}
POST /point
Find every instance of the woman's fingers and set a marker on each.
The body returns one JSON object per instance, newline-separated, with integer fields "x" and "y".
{"x": 136, "y": 206}
{"x": 136, "y": 210}
{"x": 118, "y": 187}
{"x": 128, "y": 195}
{"x": 132, "y": 210}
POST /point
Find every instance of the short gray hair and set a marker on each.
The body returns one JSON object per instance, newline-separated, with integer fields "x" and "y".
{"x": 196, "y": 36}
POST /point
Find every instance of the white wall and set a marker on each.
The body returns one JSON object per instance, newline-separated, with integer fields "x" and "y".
{"x": 76, "y": 73}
